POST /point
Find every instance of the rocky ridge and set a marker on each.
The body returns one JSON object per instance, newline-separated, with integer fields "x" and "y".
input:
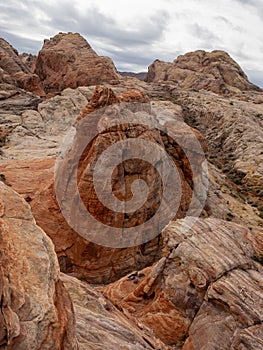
{"x": 181, "y": 287}
{"x": 199, "y": 70}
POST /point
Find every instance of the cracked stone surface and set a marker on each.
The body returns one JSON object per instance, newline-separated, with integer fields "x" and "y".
{"x": 205, "y": 292}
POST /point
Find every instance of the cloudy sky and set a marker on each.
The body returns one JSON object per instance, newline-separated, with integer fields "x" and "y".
{"x": 134, "y": 33}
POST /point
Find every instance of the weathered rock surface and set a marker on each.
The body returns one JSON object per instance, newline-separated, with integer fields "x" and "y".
{"x": 86, "y": 259}
{"x": 67, "y": 60}
{"x": 140, "y": 75}
{"x": 14, "y": 71}
{"x": 29, "y": 60}
{"x": 226, "y": 202}
{"x": 207, "y": 289}
{"x": 215, "y": 71}
{"x": 36, "y": 311}
{"x": 100, "y": 324}
{"x": 35, "y": 127}
{"x": 234, "y": 132}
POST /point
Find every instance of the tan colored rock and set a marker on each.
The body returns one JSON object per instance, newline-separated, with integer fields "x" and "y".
{"x": 199, "y": 70}
{"x": 67, "y": 60}
{"x": 36, "y": 311}
{"x": 29, "y": 60}
{"x": 14, "y": 71}
{"x": 36, "y": 128}
{"x": 206, "y": 286}
{"x": 234, "y": 132}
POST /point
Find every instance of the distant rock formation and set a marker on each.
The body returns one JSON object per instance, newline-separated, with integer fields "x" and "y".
{"x": 29, "y": 60}
{"x": 140, "y": 75}
{"x": 14, "y": 71}
{"x": 35, "y": 309}
{"x": 205, "y": 290}
{"x": 67, "y": 60}
{"x": 199, "y": 70}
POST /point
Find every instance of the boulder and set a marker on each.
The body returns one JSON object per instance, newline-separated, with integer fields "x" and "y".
{"x": 67, "y": 60}
{"x": 36, "y": 310}
{"x": 82, "y": 257}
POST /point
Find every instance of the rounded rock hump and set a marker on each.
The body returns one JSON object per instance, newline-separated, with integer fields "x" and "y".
{"x": 67, "y": 60}
{"x": 15, "y": 72}
{"x": 215, "y": 71}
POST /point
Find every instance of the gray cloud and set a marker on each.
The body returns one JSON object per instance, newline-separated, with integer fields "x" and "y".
{"x": 256, "y": 77}
{"x": 256, "y": 4}
{"x": 19, "y": 43}
{"x": 204, "y": 35}
{"x": 201, "y": 32}
{"x": 133, "y": 44}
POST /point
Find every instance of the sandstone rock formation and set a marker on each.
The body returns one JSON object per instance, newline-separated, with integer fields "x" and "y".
{"x": 140, "y": 75}
{"x": 86, "y": 259}
{"x": 99, "y": 323}
{"x": 215, "y": 71}
{"x": 67, "y": 60}
{"x": 36, "y": 311}
{"x": 14, "y": 71}
{"x": 29, "y": 60}
{"x": 105, "y": 96}
{"x": 233, "y": 130}
{"x": 204, "y": 293}
{"x": 199, "y": 289}
{"x": 35, "y": 127}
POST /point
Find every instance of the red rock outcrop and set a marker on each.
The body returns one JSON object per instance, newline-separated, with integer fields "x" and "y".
{"x": 88, "y": 260}
{"x": 104, "y": 96}
{"x": 35, "y": 309}
{"x": 206, "y": 289}
{"x": 14, "y": 71}
{"x": 67, "y": 60}
{"x": 215, "y": 71}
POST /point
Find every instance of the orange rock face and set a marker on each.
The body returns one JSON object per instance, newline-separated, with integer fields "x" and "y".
{"x": 36, "y": 311}
{"x": 199, "y": 290}
{"x": 88, "y": 260}
{"x": 14, "y": 71}
{"x": 215, "y": 71}
{"x": 67, "y": 60}
{"x": 104, "y": 96}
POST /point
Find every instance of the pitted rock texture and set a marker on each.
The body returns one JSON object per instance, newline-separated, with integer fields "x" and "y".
{"x": 215, "y": 71}
{"x": 14, "y": 71}
{"x": 36, "y": 311}
{"x": 67, "y": 60}
{"x": 206, "y": 289}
